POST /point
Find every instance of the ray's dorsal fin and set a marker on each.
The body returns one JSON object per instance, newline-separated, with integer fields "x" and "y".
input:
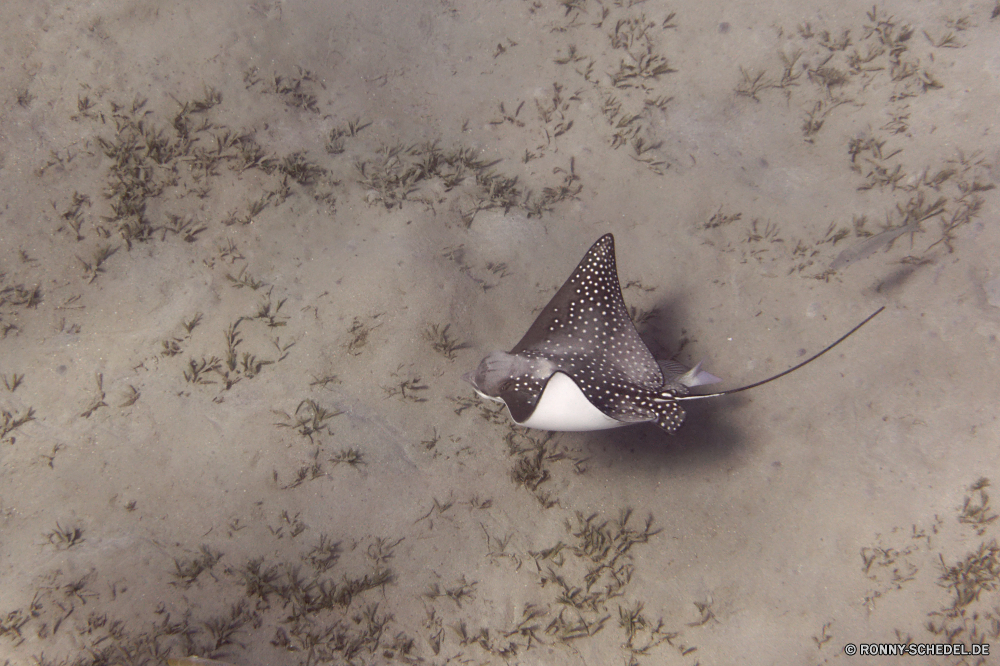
{"x": 789, "y": 370}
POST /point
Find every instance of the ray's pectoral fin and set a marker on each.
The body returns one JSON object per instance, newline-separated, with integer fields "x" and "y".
{"x": 585, "y": 328}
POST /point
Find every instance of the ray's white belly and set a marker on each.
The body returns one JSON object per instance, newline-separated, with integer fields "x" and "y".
{"x": 563, "y": 406}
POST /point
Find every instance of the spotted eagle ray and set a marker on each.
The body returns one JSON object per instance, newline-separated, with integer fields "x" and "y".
{"x": 582, "y": 365}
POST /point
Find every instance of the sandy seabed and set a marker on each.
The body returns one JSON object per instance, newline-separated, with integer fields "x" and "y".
{"x": 247, "y": 250}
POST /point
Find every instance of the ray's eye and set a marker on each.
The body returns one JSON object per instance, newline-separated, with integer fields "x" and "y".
{"x": 506, "y": 386}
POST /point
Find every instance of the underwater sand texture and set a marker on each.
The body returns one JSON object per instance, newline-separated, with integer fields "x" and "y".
{"x": 248, "y": 250}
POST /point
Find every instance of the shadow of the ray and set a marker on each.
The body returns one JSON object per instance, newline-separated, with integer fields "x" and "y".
{"x": 710, "y": 432}
{"x": 708, "y": 437}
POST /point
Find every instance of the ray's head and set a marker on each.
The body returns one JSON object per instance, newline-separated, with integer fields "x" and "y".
{"x": 494, "y": 373}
